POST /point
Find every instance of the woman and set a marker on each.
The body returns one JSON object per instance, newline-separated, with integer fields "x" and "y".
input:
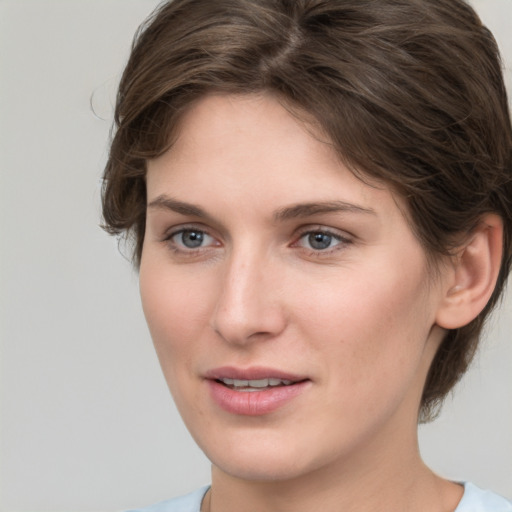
{"x": 318, "y": 193}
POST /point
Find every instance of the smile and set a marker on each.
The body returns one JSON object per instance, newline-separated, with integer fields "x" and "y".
{"x": 253, "y": 391}
{"x": 253, "y": 385}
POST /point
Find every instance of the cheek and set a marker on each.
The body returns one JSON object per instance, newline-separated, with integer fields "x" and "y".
{"x": 176, "y": 311}
{"x": 372, "y": 326}
{"x": 176, "y": 307}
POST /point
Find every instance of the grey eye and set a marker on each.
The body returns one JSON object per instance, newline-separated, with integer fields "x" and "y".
{"x": 320, "y": 241}
{"x": 191, "y": 238}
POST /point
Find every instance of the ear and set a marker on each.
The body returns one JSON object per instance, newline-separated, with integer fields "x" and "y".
{"x": 472, "y": 278}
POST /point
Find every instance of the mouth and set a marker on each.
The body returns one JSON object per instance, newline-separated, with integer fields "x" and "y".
{"x": 254, "y": 391}
{"x": 254, "y": 384}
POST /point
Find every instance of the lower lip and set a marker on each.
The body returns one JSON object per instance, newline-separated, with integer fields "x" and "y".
{"x": 254, "y": 403}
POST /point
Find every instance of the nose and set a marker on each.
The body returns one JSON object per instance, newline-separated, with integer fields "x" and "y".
{"x": 250, "y": 303}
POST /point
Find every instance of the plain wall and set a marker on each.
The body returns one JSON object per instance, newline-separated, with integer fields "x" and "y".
{"x": 87, "y": 423}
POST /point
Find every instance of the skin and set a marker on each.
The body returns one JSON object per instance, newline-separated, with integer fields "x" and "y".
{"x": 357, "y": 318}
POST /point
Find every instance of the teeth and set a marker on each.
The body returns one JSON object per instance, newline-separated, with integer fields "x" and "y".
{"x": 260, "y": 383}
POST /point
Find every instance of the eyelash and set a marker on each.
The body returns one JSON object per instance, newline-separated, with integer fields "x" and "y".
{"x": 178, "y": 248}
{"x": 342, "y": 241}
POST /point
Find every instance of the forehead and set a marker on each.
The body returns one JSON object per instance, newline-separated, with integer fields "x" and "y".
{"x": 229, "y": 147}
{"x": 220, "y": 122}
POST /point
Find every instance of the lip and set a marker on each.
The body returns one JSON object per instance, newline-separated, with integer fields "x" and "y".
{"x": 254, "y": 403}
{"x": 252, "y": 373}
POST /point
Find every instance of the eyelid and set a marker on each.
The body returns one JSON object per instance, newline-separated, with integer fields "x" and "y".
{"x": 342, "y": 237}
{"x": 319, "y": 228}
{"x": 176, "y": 230}
{"x": 187, "y": 226}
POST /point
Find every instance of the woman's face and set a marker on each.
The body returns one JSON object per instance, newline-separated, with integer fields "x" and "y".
{"x": 290, "y": 304}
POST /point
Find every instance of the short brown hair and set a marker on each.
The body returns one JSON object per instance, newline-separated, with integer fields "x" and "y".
{"x": 409, "y": 92}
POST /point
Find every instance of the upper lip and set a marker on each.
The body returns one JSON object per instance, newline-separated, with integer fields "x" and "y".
{"x": 251, "y": 373}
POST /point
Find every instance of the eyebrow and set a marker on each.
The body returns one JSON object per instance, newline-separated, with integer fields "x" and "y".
{"x": 290, "y": 212}
{"x": 164, "y": 202}
{"x": 310, "y": 209}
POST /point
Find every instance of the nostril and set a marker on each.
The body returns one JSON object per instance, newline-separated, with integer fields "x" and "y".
{"x": 247, "y": 310}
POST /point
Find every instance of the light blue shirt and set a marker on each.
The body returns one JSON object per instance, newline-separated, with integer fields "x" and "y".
{"x": 473, "y": 500}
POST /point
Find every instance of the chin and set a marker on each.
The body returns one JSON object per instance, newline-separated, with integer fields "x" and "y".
{"x": 258, "y": 470}
{"x": 264, "y": 460}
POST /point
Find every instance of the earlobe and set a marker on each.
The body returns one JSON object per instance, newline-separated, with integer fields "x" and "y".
{"x": 473, "y": 276}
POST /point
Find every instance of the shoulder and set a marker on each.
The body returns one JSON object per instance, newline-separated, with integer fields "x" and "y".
{"x": 479, "y": 500}
{"x": 473, "y": 500}
{"x": 188, "y": 503}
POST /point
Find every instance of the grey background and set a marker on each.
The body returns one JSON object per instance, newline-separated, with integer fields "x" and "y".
{"x": 86, "y": 421}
